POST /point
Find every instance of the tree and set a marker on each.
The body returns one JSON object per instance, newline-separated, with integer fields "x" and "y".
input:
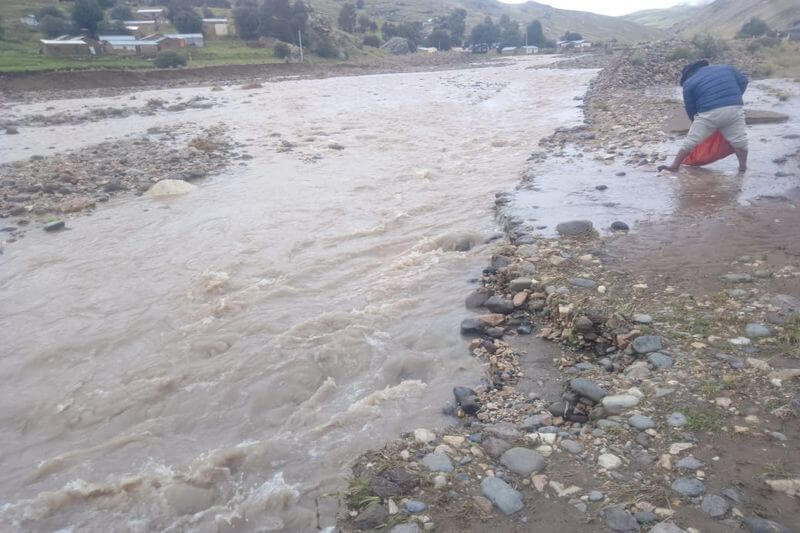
{"x": 169, "y": 59}
{"x": 509, "y": 32}
{"x": 106, "y": 4}
{"x": 440, "y": 39}
{"x": 188, "y": 21}
{"x": 174, "y": 7}
{"x": 52, "y": 26}
{"x": 121, "y": 12}
{"x": 410, "y": 31}
{"x": 86, "y": 14}
{"x": 53, "y": 11}
{"x": 457, "y": 24}
{"x": 246, "y": 19}
{"x": 572, "y": 36}
{"x": 485, "y": 33}
{"x": 347, "y": 18}
{"x": 281, "y": 50}
{"x": 755, "y": 27}
{"x": 360, "y": 4}
{"x": 535, "y": 34}
{"x": 372, "y": 40}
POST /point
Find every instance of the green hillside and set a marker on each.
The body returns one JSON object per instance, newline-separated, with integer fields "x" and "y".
{"x": 663, "y": 18}
{"x": 724, "y": 18}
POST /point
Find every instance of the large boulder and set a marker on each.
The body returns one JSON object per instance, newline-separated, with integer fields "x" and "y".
{"x": 397, "y": 45}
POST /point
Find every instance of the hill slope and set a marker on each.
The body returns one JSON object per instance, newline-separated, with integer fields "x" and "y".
{"x": 663, "y": 18}
{"x": 725, "y": 17}
{"x": 554, "y": 21}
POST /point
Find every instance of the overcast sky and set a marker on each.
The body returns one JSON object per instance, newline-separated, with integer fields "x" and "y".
{"x": 605, "y": 7}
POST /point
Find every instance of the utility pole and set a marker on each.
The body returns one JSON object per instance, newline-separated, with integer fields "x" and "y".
{"x": 300, "y": 38}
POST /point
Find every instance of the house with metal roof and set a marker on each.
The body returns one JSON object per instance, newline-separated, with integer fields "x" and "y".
{"x": 71, "y": 46}
{"x": 154, "y": 14}
{"x": 191, "y": 39}
{"x": 218, "y": 27}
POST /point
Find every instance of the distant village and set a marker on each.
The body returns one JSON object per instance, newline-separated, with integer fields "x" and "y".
{"x": 144, "y": 39}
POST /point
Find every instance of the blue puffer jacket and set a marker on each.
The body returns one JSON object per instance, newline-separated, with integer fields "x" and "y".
{"x": 713, "y": 87}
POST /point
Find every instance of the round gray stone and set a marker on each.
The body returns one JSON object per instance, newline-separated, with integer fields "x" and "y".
{"x": 408, "y": 527}
{"x": 415, "y": 506}
{"x": 523, "y": 461}
{"x": 659, "y": 360}
{"x": 715, "y": 506}
{"x": 620, "y": 520}
{"x": 757, "y": 330}
{"x": 588, "y": 389}
{"x": 688, "y": 487}
{"x": 437, "y": 462}
{"x": 666, "y": 527}
{"x": 647, "y": 343}
{"x": 572, "y": 447}
{"x": 596, "y": 496}
{"x": 756, "y": 524}
{"x": 583, "y": 283}
{"x": 500, "y": 493}
{"x": 574, "y": 227}
{"x": 641, "y": 422}
{"x": 690, "y": 463}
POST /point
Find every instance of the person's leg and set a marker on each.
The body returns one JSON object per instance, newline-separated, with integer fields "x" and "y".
{"x": 702, "y": 127}
{"x": 735, "y": 131}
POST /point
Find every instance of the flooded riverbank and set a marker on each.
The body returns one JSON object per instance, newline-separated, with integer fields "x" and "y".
{"x": 215, "y": 360}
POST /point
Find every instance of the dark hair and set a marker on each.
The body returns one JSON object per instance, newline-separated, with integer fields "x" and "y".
{"x": 691, "y": 68}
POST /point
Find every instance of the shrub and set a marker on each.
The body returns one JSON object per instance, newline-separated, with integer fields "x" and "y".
{"x": 680, "y": 53}
{"x": 755, "y": 27}
{"x": 121, "y": 12}
{"x": 372, "y": 40}
{"x": 637, "y": 59}
{"x": 708, "y": 47}
{"x": 282, "y": 50}
{"x": 169, "y": 59}
{"x": 187, "y": 21}
{"x": 327, "y": 49}
{"x": 53, "y": 11}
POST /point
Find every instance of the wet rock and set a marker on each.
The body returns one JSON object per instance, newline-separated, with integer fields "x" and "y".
{"x": 500, "y": 493}
{"x": 619, "y": 226}
{"x": 472, "y": 326}
{"x": 715, "y": 506}
{"x": 393, "y": 482}
{"x": 690, "y": 463}
{"x": 588, "y": 389}
{"x": 500, "y": 262}
{"x": 11, "y": 130}
{"x": 755, "y": 524}
{"x": 572, "y": 447}
{"x": 437, "y": 462}
{"x": 641, "y": 422}
{"x": 495, "y": 447}
{"x": 525, "y": 328}
{"x": 371, "y": 517}
{"x": 170, "y": 188}
{"x": 583, "y": 283}
{"x": 56, "y": 225}
{"x": 583, "y": 325}
{"x": 415, "y": 506}
{"x": 497, "y": 304}
{"x": 647, "y": 343}
{"x": 757, "y": 330}
{"x": 601, "y": 187}
{"x": 734, "y": 495}
{"x": 688, "y": 487}
{"x": 659, "y": 360}
{"x": 467, "y": 399}
{"x": 574, "y": 228}
{"x": 523, "y": 461}
{"x": 620, "y": 520}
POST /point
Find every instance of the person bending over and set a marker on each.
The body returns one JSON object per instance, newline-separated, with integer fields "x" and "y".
{"x": 712, "y": 95}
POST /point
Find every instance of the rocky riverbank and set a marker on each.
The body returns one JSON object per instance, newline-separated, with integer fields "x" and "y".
{"x": 46, "y": 191}
{"x": 661, "y": 407}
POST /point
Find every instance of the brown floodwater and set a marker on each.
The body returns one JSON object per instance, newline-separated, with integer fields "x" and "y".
{"x": 214, "y": 361}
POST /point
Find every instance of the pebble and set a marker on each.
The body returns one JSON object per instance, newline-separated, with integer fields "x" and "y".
{"x": 638, "y": 370}
{"x": 476, "y": 299}
{"x": 677, "y": 447}
{"x": 415, "y": 506}
{"x": 440, "y": 482}
{"x": 645, "y": 517}
{"x": 408, "y": 527}
{"x": 503, "y": 430}
{"x": 535, "y": 421}
{"x": 666, "y": 527}
{"x": 609, "y": 461}
{"x": 55, "y": 225}
{"x": 757, "y": 330}
{"x": 601, "y": 187}
{"x": 620, "y": 402}
{"x": 739, "y": 341}
{"x": 737, "y": 278}
{"x": 572, "y": 447}
{"x": 647, "y": 343}
{"x": 641, "y": 422}
{"x": 424, "y": 435}
{"x": 715, "y": 506}
{"x": 733, "y": 494}
{"x": 497, "y": 304}
{"x": 583, "y": 283}
{"x": 596, "y": 496}
{"x": 371, "y": 516}
{"x": 583, "y": 325}
{"x": 620, "y": 520}
{"x": 520, "y": 284}
{"x": 690, "y": 463}
{"x": 643, "y": 319}
{"x": 688, "y": 487}
{"x": 495, "y": 447}
{"x": 437, "y": 462}
{"x": 500, "y": 493}
{"x": 660, "y": 360}
{"x": 588, "y": 389}
{"x": 467, "y": 399}
{"x": 523, "y": 461}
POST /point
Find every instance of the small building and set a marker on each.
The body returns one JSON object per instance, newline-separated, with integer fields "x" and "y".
{"x": 148, "y": 46}
{"x": 30, "y": 21}
{"x": 71, "y": 46}
{"x": 530, "y": 49}
{"x": 428, "y": 49}
{"x": 155, "y": 14}
{"x": 122, "y": 45}
{"x": 195, "y": 40}
{"x": 508, "y": 50}
{"x": 216, "y": 27}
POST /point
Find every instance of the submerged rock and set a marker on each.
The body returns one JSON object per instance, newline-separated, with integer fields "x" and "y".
{"x": 170, "y": 188}
{"x": 575, "y": 228}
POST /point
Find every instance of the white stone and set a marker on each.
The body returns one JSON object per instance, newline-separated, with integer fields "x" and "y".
{"x": 170, "y": 188}
{"x": 609, "y": 461}
{"x": 453, "y": 440}
{"x": 424, "y": 435}
{"x": 677, "y": 447}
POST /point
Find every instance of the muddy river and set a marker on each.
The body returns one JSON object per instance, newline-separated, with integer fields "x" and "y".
{"x": 214, "y": 361}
